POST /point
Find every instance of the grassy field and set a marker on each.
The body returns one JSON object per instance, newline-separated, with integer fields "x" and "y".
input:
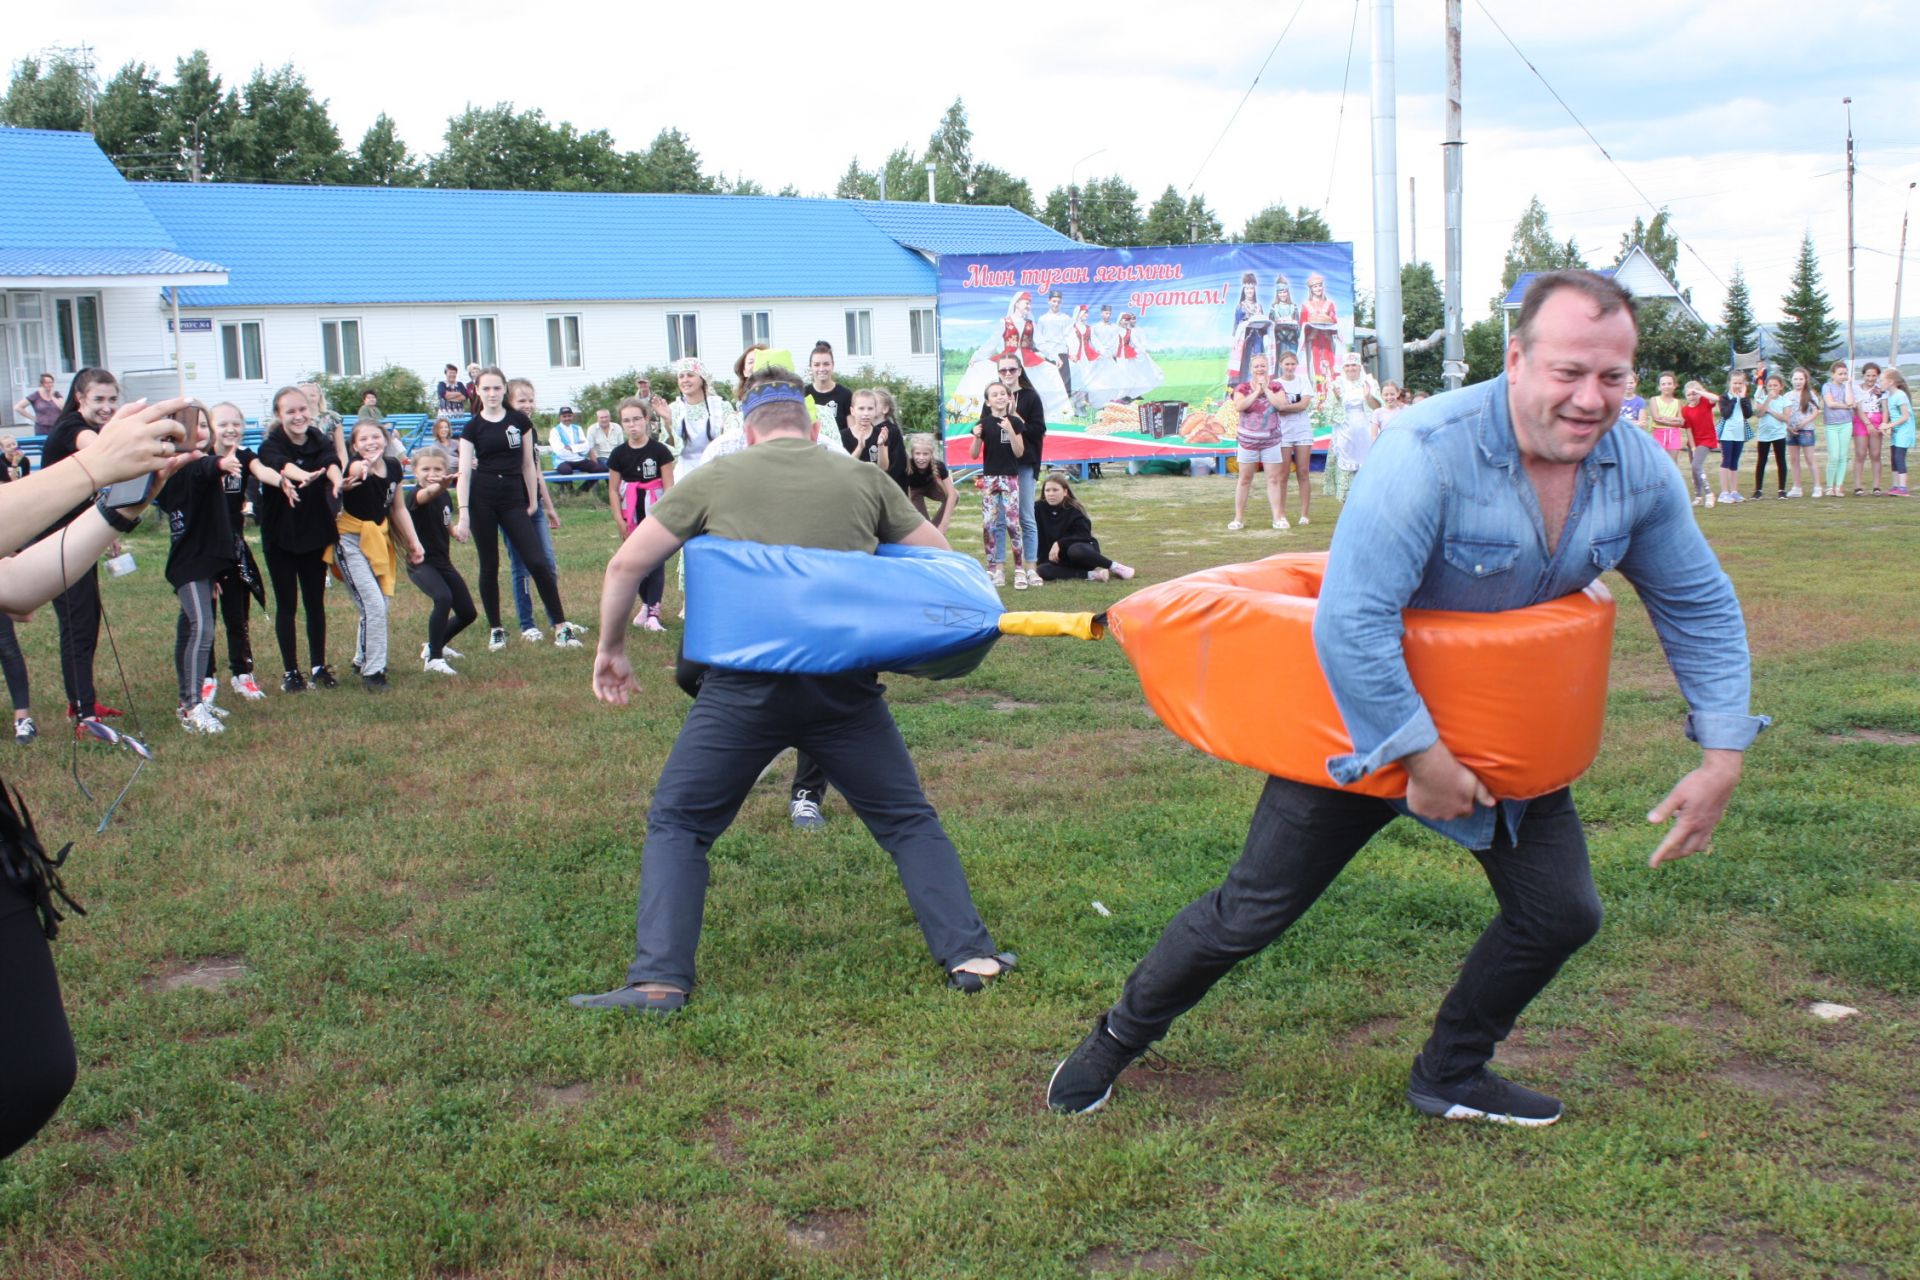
{"x": 320, "y": 994}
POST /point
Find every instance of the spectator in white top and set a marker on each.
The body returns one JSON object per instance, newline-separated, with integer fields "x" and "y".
{"x": 699, "y": 416}
{"x": 569, "y": 445}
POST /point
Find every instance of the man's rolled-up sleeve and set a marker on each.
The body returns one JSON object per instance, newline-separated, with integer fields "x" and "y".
{"x": 1380, "y": 552}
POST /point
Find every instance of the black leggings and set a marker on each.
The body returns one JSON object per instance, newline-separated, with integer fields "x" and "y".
{"x": 236, "y": 603}
{"x": 14, "y": 663}
{"x": 1779, "y": 448}
{"x": 443, "y": 585}
{"x": 298, "y": 577}
{"x": 37, "y": 1064}
{"x": 78, "y": 612}
{"x": 1076, "y": 558}
{"x": 499, "y": 502}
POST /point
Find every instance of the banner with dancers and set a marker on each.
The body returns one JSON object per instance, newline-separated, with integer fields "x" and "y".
{"x": 1135, "y": 351}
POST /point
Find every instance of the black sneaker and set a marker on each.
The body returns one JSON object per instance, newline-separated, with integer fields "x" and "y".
{"x": 293, "y": 682}
{"x": 376, "y": 683}
{"x": 323, "y": 678}
{"x": 1482, "y": 1096}
{"x": 1083, "y": 1081}
{"x": 804, "y": 810}
{"x": 24, "y": 730}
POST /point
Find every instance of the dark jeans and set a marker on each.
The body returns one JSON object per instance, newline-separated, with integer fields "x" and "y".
{"x": 78, "y": 611}
{"x": 299, "y": 581}
{"x": 443, "y": 585}
{"x": 738, "y": 723}
{"x": 499, "y": 503}
{"x": 37, "y": 1064}
{"x": 1760, "y": 448}
{"x": 1300, "y": 839}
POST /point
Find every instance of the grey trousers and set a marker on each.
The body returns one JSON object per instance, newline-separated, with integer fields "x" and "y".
{"x": 369, "y": 601}
{"x": 193, "y": 638}
{"x": 739, "y": 722}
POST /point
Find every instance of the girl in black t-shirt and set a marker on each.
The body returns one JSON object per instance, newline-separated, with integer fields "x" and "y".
{"x": 642, "y": 471}
{"x": 375, "y": 530}
{"x": 296, "y": 530}
{"x": 869, "y": 437}
{"x": 926, "y": 474}
{"x": 435, "y": 574}
{"x": 240, "y": 584}
{"x": 1000, "y": 441}
{"x": 497, "y": 496}
{"x": 201, "y": 551}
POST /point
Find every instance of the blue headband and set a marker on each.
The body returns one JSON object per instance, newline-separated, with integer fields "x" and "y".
{"x": 773, "y": 393}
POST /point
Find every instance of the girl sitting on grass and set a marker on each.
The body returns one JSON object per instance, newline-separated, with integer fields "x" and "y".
{"x": 1067, "y": 545}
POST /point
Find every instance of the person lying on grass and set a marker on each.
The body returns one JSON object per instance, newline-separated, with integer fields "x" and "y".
{"x": 783, "y": 490}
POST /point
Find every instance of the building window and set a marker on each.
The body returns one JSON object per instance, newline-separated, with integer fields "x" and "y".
{"x": 563, "y": 342}
{"x": 756, "y": 328}
{"x": 241, "y": 359}
{"x": 860, "y": 333}
{"x": 683, "y": 335}
{"x": 920, "y": 322}
{"x": 340, "y": 348}
{"x": 76, "y": 324}
{"x": 477, "y": 345}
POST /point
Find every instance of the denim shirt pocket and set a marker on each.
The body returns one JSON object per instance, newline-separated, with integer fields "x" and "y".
{"x": 1609, "y": 551}
{"x": 1480, "y": 557}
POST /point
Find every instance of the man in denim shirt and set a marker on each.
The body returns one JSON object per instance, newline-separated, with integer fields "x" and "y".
{"x": 1493, "y": 498}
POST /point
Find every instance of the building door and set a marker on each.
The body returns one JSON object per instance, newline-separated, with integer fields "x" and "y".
{"x": 23, "y": 344}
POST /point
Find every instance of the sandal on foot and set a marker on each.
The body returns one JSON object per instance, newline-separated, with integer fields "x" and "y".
{"x": 975, "y": 983}
{"x": 633, "y": 1000}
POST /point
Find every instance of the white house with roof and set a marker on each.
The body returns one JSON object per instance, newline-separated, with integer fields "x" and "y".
{"x": 83, "y": 266}
{"x": 1637, "y": 273}
{"x": 565, "y": 289}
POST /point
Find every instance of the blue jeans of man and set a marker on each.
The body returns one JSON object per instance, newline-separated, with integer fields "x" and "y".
{"x": 522, "y": 583}
{"x": 1029, "y": 527}
{"x": 1301, "y": 838}
{"x": 739, "y": 722}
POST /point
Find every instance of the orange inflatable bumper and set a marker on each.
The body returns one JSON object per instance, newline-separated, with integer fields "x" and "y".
{"x": 1227, "y": 661}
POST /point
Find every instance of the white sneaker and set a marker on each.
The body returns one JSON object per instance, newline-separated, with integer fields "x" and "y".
{"x": 247, "y": 687}
{"x": 1795, "y": 492}
{"x": 1303, "y": 522}
{"x": 650, "y": 621}
{"x": 439, "y": 667}
{"x": 1281, "y": 523}
{"x": 446, "y": 651}
{"x": 1019, "y": 579}
{"x": 496, "y": 640}
{"x": 1696, "y": 500}
{"x": 1097, "y": 575}
{"x": 1035, "y": 580}
{"x": 208, "y": 687}
{"x": 1122, "y": 571}
{"x": 198, "y": 719}
{"x": 1709, "y": 502}
{"x": 567, "y": 636}
{"x": 1235, "y": 526}
{"x": 997, "y": 576}
{"x": 219, "y": 711}
{"x": 533, "y": 635}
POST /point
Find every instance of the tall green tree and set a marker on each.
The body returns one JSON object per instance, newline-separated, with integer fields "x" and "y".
{"x": 1203, "y": 224}
{"x": 1658, "y": 240}
{"x": 1737, "y": 325}
{"x": 200, "y": 114}
{"x": 130, "y": 124}
{"x": 1275, "y": 225}
{"x": 669, "y": 164}
{"x": 283, "y": 133}
{"x": 497, "y": 148}
{"x": 1808, "y": 328}
{"x": 1533, "y": 248}
{"x": 1109, "y": 212}
{"x": 1166, "y": 220}
{"x": 382, "y": 159}
{"x": 1423, "y": 308}
{"x": 856, "y": 183}
{"x": 50, "y": 95}
{"x": 905, "y": 175}
{"x": 1672, "y": 339}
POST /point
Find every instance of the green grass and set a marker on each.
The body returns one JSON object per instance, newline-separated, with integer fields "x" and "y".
{"x": 393, "y": 1085}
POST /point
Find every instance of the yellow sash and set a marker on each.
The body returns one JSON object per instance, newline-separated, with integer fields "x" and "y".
{"x": 375, "y": 545}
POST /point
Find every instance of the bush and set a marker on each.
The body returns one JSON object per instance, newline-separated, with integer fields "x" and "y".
{"x": 397, "y": 390}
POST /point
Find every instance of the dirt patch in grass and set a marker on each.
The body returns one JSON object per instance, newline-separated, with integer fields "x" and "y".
{"x": 563, "y": 1097}
{"x": 1542, "y": 1048}
{"x": 1780, "y": 1085}
{"x": 1012, "y": 704}
{"x": 723, "y": 1129}
{"x": 209, "y": 973}
{"x": 1374, "y": 1031}
{"x": 1319, "y": 1186}
{"x": 1718, "y": 1017}
{"x": 1886, "y": 737}
{"x": 1108, "y": 1260}
{"x": 828, "y": 1231}
{"x": 1187, "y": 1088}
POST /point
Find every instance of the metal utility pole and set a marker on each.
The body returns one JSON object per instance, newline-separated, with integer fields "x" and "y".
{"x": 1073, "y": 212}
{"x": 931, "y": 197}
{"x": 1848, "y": 103}
{"x": 1899, "y": 278}
{"x": 1413, "y": 222}
{"x": 1387, "y": 315}
{"x": 1455, "y": 351}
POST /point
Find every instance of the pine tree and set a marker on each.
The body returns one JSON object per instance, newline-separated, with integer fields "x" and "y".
{"x": 1736, "y": 317}
{"x": 1809, "y": 327}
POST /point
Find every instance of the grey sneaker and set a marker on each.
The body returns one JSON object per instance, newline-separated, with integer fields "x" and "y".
{"x": 1083, "y": 1082}
{"x": 1482, "y": 1096}
{"x": 632, "y": 999}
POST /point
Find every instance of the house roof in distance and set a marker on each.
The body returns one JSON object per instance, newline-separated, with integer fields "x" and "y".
{"x": 68, "y": 214}
{"x": 327, "y": 246}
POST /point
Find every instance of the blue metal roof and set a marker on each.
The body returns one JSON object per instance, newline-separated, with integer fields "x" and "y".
{"x": 289, "y": 245}
{"x": 1519, "y": 291}
{"x": 63, "y": 193}
{"x": 100, "y": 262}
{"x": 961, "y": 228}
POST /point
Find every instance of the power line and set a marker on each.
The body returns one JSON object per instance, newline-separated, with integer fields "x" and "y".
{"x": 1352, "y": 30}
{"x": 1595, "y": 141}
{"x": 1243, "y": 97}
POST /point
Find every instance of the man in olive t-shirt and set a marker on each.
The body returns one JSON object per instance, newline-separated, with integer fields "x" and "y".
{"x": 785, "y": 491}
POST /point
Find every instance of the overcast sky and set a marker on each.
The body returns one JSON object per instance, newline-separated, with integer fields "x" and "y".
{"x": 1729, "y": 113}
